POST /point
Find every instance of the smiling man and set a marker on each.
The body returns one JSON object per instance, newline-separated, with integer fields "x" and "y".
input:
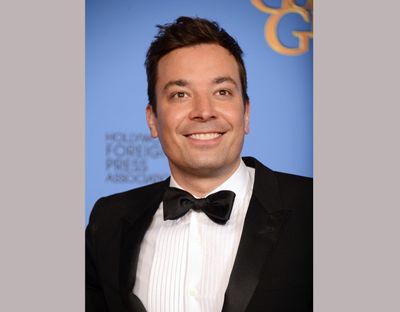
{"x": 222, "y": 233}
{"x": 200, "y": 115}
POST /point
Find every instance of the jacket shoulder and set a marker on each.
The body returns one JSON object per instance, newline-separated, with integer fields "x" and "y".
{"x": 296, "y": 195}
{"x": 116, "y": 206}
{"x": 292, "y": 190}
{"x": 293, "y": 182}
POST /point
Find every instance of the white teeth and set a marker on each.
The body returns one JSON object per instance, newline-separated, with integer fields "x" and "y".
{"x": 205, "y": 136}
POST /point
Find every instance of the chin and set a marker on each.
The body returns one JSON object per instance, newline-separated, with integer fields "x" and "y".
{"x": 210, "y": 167}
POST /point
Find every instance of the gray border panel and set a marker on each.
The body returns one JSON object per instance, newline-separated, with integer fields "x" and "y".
{"x": 357, "y": 156}
{"x": 42, "y": 156}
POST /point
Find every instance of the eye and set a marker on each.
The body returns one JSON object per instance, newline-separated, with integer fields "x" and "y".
{"x": 224, "y": 92}
{"x": 179, "y": 95}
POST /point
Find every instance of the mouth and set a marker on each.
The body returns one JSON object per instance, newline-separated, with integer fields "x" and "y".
{"x": 205, "y": 136}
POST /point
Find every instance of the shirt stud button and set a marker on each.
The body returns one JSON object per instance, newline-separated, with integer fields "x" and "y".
{"x": 193, "y": 292}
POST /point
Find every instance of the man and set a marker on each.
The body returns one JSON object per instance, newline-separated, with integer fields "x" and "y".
{"x": 158, "y": 248}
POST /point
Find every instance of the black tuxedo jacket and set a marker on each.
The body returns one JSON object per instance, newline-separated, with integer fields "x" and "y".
{"x": 273, "y": 267}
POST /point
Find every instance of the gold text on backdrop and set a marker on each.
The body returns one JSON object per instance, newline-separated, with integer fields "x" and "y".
{"x": 276, "y": 14}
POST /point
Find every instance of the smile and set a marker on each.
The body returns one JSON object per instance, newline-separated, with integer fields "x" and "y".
{"x": 204, "y": 136}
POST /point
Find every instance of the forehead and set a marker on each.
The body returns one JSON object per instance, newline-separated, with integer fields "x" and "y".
{"x": 197, "y": 63}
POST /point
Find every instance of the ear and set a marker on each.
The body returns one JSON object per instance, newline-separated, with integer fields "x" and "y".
{"x": 151, "y": 121}
{"x": 247, "y": 117}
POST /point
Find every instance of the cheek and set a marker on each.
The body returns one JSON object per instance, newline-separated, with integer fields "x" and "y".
{"x": 174, "y": 118}
{"x": 237, "y": 119}
{"x": 167, "y": 127}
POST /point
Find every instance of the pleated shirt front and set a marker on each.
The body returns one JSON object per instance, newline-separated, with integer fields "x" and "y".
{"x": 185, "y": 264}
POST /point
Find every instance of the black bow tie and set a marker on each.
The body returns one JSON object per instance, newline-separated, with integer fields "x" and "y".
{"x": 217, "y": 206}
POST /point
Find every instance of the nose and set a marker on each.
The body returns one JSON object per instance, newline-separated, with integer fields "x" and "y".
{"x": 202, "y": 109}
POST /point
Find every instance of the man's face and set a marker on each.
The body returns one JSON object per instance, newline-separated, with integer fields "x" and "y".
{"x": 201, "y": 118}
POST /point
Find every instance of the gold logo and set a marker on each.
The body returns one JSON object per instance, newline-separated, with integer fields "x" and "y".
{"x": 276, "y": 14}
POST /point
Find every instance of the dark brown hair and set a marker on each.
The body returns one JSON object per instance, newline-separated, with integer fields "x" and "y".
{"x": 184, "y": 32}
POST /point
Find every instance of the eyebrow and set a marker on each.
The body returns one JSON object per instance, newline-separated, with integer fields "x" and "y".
{"x": 179, "y": 83}
{"x": 184, "y": 83}
{"x": 219, "y": 80}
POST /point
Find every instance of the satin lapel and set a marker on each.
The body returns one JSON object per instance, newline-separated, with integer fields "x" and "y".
{"x": 133, "y": 230}
{"x": 264, "y": 221}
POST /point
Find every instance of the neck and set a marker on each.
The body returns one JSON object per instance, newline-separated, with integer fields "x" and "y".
{"x": 201, "y": 183}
